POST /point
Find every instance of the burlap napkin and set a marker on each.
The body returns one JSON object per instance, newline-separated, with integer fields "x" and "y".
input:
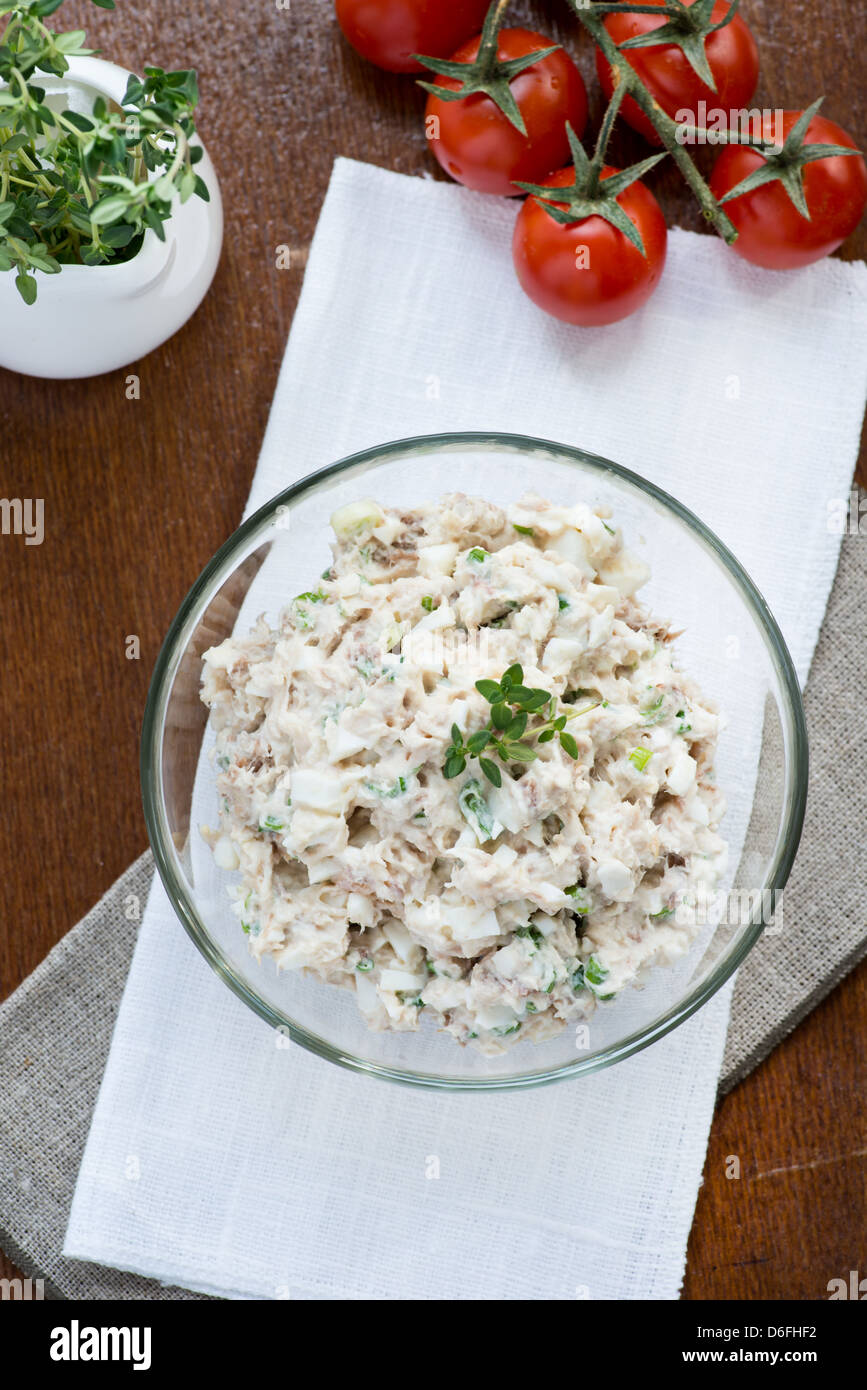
{"x": 56, "y": 1029}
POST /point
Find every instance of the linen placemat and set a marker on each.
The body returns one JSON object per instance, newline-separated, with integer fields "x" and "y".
{"x": 55, "y": 1030}
{"x": 367, "y": 235}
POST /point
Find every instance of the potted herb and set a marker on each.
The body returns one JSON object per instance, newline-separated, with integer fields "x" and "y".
{"x": 105, "y": 188}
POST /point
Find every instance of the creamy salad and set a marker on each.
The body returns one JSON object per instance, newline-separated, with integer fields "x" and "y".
{"x": 463, "y": 775}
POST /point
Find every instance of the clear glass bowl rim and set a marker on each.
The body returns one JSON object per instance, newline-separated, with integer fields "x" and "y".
{"x": 223, "y": 564}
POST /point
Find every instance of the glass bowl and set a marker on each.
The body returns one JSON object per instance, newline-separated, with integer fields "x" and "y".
{"x": 730, "y": 644}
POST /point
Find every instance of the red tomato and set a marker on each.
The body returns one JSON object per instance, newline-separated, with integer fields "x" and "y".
{"x": 588, "y": 272}
{"x": 771, "y": 231}
{"x": 479, "y": 146}
{"x": 731, "y": 53}
{"x": 387, "y": 32}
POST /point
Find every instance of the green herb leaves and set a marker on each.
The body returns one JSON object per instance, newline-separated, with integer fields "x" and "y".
{"x": 81, "y": 188}
{"x": 509, "y": 733}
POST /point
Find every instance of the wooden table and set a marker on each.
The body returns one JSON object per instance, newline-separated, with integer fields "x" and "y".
{"x": 139, "y": 494}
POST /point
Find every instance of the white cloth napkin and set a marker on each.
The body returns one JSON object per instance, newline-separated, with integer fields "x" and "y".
{"x": 219, "y": 1161}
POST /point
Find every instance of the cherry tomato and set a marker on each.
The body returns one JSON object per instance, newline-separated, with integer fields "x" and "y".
{"x": 731, "y": 53}
{"x": 588, "y": 272}
{"x": 478, "y": 145}
{"x": 387, "y": 32}
{"x": 771, "y": 231}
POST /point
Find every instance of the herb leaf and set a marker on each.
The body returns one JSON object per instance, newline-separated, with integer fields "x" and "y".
{"x": 491, "y": 771}
{"x": 476, "y": 743}
{"x": 568, "y": 744}
{"x": 501, "y": 716}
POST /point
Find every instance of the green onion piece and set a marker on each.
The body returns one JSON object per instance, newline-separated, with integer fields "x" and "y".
{"x": 595, "y": 972}
{"x": 530, "y": 933}
{"x": 475, "y": 810}
{"x": 581, "y": 901}
{"x": 388, "y": 793}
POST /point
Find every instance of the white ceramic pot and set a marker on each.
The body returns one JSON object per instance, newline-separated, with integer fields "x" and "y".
{"x": 93, "y": 319}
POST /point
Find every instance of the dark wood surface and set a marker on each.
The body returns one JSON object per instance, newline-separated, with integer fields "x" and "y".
{"x": 138, "y": 495}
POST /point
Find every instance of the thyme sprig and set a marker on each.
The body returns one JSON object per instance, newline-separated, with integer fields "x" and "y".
{"x": 81, "y": 188}
{"x": 509, "y": 733}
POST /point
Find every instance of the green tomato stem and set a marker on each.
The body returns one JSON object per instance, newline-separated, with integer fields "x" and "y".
{"x": 626, "y": 77}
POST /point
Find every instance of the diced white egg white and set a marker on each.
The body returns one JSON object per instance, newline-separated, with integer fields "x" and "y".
{"x": 405, "y": 947}
{"x": 342, "y": 742}
{"x": 359, "y": 909}
{"x": 681, "y": 774}
{"x": 394, "y": 980}
{"x": 615, "y": 879}
{"x": 509, "y": 806}
{"x": 561, "y": 653}
{"x": 571, "y": 546}
{"x": 435, "y": 620}
{"x": 469, "y": 922}
{"x": 434, "y": 560}
{"x": 317, "y": 788}
{"x": 225, "y": 854}
{"x": 496, "y": 1016}
{"x": 625, "y": 572}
